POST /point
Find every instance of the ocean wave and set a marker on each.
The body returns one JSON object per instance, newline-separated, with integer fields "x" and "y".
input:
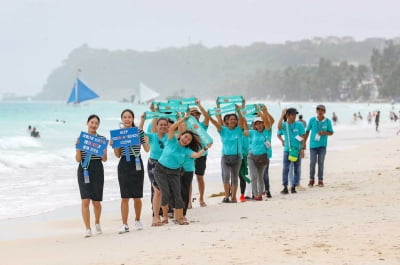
{"x": 19, "y": 142}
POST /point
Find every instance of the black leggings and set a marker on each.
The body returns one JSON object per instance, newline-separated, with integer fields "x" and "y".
{"x": 242, "y": 184}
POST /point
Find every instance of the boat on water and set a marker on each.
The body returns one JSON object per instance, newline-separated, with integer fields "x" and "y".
{"x": 81, "y": 92}
{"x": 144, "y": 96}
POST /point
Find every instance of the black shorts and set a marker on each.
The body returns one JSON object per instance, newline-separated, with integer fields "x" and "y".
{"x": 200, "y": 165}
{"x": 94, "y": 189}
{"x": 130, "y": 180}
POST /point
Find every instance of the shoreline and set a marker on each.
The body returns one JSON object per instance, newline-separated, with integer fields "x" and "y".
{"x": 343, "y": 138}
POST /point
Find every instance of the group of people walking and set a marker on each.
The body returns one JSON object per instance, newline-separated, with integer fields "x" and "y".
{"x": 177, "y": 153}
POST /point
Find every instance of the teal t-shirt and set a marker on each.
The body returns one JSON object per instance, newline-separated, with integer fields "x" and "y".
{"x": 257, "y": 142}
{"x": 205, "y": 128}
{"x": 315, "y": 125}
{"x": 188, "y": 164}
{"x": 174, "y": 154}
{"x": 295, "y": 129}
{"x": 149, "y": 127}
{"x": 156, "y": 145}
{"x": 231, "y": 140}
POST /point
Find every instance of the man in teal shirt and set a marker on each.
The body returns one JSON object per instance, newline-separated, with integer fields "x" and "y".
{"x": 321, "y": 128}
{"x": 294, "y": 144}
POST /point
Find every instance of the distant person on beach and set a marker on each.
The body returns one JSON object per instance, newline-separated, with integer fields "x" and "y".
{"x": 168, "y": 170}
{"x": 302, "y": 121}
{"x": 293, "y": 150}
{"x": 35, "y": 133}
{"x": 369, "y": 118}
{"x": 320, "y": 128}
{"x": 92, "y": 191}
{"x": 359, "y": 116}
{"x": 355, "y": 117}
{"x": 334, "y": 118}
{"x": 279, "y": 135}
{"x": 377, "y": 117}
{"x": 131, "y": 174}
{"x": 29, "y": 130}
{"x": 231, "y": 160}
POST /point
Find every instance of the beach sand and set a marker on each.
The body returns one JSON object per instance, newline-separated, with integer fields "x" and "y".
{"x": 354, "y": 219}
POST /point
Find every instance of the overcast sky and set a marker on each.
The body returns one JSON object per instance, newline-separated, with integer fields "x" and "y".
{"x": 37, "y": 35}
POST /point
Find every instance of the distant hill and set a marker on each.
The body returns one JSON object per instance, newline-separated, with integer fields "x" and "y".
{"x": 195, "y": 70}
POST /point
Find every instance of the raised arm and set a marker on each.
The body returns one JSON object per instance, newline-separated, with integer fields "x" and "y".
{"x": 280, "y": 122}
{"x": 217, "y": 124}
{"x": 206, "y": 120}
{"x": 201, "y": 152}
{"x": 175, "y": 126}
{"x": 141, "y": 123}
{"x": 267, "y": 118}
{"x": 240, "y": 117}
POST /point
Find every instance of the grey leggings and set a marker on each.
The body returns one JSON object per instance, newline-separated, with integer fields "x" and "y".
{"x": 169, "y": 181}
{"x": 257, "y": 176}
{"x": 230, "y": 174}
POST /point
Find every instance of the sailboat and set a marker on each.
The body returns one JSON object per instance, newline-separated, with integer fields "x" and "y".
{"x": 81, "y": 92}
{"x": 146, "y": 94}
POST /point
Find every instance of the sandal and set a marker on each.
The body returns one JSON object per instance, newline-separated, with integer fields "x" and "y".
{"x": 203, "y": 204}
{"x": 159, "y": 223}
{"x": 165, "y": 221}
{"x": 226, "y": 200}
{"x": 181, "y": 221}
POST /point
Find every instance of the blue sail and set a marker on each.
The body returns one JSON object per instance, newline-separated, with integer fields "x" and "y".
{"x": 80, "y": 92}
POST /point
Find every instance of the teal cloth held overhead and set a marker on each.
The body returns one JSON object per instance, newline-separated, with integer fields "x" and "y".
{"x": 193, "y": 125}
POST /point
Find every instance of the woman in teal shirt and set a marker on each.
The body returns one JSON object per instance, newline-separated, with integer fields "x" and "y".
{"x": 168, "y": 170}
{"x": 157, "y": 139}
{"x": 231, "y": 137}
{"x": 260, "y": 144}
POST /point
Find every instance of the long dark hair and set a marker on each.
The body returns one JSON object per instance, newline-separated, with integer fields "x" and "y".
{"x": 93, "y": 116}
{"x": 131, "y": 112}
{"x": 195, "y": 144}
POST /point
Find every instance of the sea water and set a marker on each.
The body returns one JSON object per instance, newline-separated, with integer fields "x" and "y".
{"x": 39, "y": 174}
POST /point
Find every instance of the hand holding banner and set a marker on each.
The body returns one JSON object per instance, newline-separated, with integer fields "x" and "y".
{"x": 91, "y": 144}
{"x": 125, "y": 137}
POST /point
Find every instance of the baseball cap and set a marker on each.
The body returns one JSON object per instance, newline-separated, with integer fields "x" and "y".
{"x": 292, "y": 111}
{"x": 194, "y": 110}
{"x": 257, "y": 119}
{"x": 322, "y": 107}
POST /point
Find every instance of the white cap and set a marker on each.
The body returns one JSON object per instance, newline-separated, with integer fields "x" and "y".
{"x": 258, "y": 119}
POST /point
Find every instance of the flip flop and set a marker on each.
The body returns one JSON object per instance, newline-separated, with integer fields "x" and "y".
{"x": 157, "y": 223}
{"x": 164, "y": 222}
{"x": 203, "y": 204}
{"x": 181, "y": 221}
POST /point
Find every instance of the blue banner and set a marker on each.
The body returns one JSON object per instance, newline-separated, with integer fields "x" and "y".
{"x": 125, "y": 137}
{"x": 92, "y": 144}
